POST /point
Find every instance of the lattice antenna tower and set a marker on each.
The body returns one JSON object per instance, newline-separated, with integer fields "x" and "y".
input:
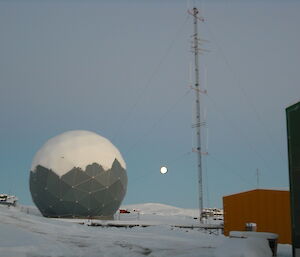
{"x": 197, "y": 50}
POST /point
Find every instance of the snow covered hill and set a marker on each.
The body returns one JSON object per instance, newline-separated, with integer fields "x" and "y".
{"x": 23, "y": 234}
{"x": 162, "y": 209}
{"x": 144, "y": 208}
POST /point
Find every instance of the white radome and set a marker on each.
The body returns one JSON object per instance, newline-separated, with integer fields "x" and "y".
{"x": 77, "y": 148}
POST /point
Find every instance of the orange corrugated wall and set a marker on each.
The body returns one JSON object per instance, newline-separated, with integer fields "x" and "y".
{"x": 269, "y": 209}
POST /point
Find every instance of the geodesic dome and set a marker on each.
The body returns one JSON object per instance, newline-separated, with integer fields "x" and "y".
{"x": 78, "y": 174}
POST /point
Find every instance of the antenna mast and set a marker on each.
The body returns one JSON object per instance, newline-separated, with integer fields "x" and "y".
{"x": 257, "y": 177}
{"x": 197, "y": 125}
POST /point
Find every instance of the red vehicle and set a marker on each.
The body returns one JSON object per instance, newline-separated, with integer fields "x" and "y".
{"x": 124, "y": 211}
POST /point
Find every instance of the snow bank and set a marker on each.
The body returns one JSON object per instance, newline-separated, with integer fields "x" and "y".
{"x": 243, "y": 247}
{"x": 245, "y": 234}
{"x": 284, "y": 250}
{"x": 25, "y": 235}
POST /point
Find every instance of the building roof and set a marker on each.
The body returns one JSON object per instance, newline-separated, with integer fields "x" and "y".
{"x": 260, "y": 189}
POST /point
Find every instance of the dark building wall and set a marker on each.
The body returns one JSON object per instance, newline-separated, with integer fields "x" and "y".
{"x": 293, "y": 135}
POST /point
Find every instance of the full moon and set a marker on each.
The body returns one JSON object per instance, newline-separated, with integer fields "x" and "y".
{"x": 163, "y": 170}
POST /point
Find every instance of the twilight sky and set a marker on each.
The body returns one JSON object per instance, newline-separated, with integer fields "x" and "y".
{"x": 121, "y": 69}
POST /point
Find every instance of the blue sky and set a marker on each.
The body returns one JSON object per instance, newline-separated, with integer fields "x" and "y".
{"x": 121, "y": 69}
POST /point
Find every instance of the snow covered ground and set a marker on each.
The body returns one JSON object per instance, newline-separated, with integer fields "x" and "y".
{"x": 24, "y": 233}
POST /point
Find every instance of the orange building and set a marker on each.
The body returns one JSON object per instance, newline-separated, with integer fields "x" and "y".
{"x": 269, "y": 209}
